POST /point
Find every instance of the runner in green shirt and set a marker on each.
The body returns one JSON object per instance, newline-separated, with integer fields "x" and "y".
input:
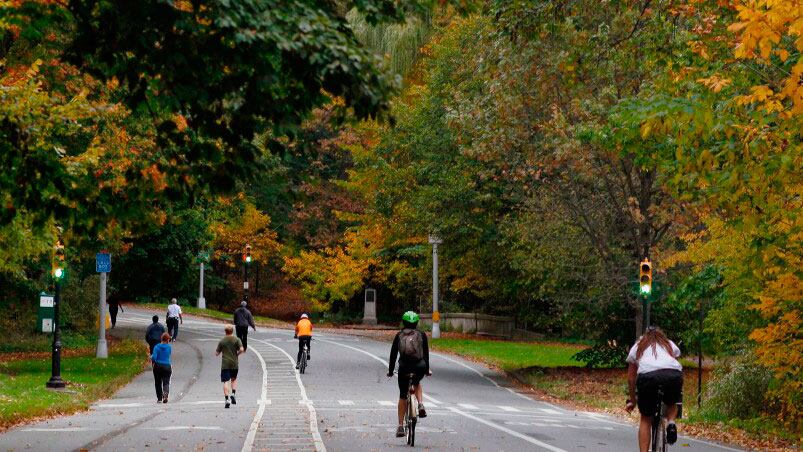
{"x": 231, "y": 348}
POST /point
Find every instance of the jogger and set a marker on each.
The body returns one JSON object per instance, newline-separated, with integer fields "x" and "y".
{"x": 162, "y": 370}
{"x": 231, "y": 347}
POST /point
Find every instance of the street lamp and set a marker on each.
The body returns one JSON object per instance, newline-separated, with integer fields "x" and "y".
{"x": 58, "y": 272}
{"x": 436, "y": 316}
{"x": 203, "y": 257}
{"x": 246, "y": 263}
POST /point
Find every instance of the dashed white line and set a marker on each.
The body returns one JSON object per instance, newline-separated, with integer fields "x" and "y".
{"x": 467, "y": 406}
{"x": 509, "y": 409}
{"x": 504, "y": 429}
{"x": 386, "y": 403}
{"x": 346, "y": 402}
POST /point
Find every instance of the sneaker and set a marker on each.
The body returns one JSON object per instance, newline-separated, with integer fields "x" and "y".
{"x": 158, "y": 400}
{"x": 165, "y": 399}
{"x": 227, "y": 404}
{"x": 400, "y": 432}
{"x": 297, "y": 366}
{"x": 421, "y": 411}
{"x": 309, "y": 357}
{"x": 671, "y": 433}
{"x": 233, "y": 400}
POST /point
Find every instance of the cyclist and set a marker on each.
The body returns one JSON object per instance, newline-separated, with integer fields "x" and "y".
{"x": 304, "y": 336}
{"x": 413, "y": 350}
{"x": 652, "y": 363}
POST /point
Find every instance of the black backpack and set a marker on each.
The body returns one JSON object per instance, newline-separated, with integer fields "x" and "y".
{"x": 411, "y": 345}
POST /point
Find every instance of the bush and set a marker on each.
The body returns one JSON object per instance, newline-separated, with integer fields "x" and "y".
{"x": 608, "y": 355}
{"x": 739, "y": 389}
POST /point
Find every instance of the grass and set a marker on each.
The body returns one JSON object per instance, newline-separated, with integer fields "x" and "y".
{"x": 42, "y": 342}
{"x": 511, "y": 355}
{"x": 211, "y": 313}
{"x": 23, "y": 395}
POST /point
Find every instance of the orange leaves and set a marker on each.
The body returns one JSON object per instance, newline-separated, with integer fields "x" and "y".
{"x": 250, "y": 227}
{"x": 761, "y": 27}
{"x": 715, "y": 82}
{"x": 156, "y": 177}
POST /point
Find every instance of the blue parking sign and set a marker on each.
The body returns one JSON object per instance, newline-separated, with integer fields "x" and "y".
{"x": 103, "y": 263}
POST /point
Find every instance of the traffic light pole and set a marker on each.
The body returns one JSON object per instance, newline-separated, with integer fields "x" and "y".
{"x": 245, "y": 282}
{"x": 55, "y": 381}
{"x": 646, "y": 313}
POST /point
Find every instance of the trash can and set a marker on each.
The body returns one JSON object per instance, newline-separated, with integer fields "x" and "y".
{"x": 45, "y": 313}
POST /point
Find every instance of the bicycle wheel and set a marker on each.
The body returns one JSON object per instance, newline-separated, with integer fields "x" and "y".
{"x": 412, "y": 432}
{"x": 303, "y": 365}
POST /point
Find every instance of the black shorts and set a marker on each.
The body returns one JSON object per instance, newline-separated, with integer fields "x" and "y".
{"x": 669, "y": 380}
{"x": 418, "y": 372}
{"x": 228, "y": 374}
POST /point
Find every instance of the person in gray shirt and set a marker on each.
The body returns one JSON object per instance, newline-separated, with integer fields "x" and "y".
{"x": 242, "y": 320}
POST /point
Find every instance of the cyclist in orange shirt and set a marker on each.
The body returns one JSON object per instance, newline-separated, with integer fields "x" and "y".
{"x": 304, "y": 336}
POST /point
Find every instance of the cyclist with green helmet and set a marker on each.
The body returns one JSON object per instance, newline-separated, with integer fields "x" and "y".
{"x": 410, "y": 344}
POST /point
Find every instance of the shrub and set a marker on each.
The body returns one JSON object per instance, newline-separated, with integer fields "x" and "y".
{"x": 739, "y": 389}
{"x": 608, "y": 355}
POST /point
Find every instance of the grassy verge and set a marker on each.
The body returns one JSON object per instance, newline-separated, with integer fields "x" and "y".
{"x": 41, "y": 342}
{"x": 22, "y": 382}
{"x": 511, "y": 355}
{"x": 213, "y": 314}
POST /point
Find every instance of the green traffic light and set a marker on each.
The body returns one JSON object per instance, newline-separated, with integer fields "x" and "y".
{"x": 645, "y": 289}
{"x": 248, "y": 259}
{"x": 58, "y": 273}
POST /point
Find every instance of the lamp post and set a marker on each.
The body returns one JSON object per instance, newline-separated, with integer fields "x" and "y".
{"x": 436, "y": 316}
{"x": 203, "y": 257}
{"x": 55, "y": 381}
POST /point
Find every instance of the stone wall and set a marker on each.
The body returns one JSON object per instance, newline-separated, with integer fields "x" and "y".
{"x": 490, "y": 325}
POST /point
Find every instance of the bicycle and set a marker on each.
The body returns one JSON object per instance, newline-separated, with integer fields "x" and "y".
{"x": 411, "y": 415}
{"x": 302, "y": 365}
{"x": 658, "y": 434}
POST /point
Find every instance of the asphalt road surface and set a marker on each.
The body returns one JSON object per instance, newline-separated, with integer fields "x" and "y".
{"x": 343, "y": 403}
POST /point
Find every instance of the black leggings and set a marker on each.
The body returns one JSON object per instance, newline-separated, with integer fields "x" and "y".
{"x": 301, "y": 341}
{"x": 113, "y": 313}
{"x": 161, "y": 376}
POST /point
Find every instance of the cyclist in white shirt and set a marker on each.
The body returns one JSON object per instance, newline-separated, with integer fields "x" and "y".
{"x": 652, "y": 363}
{"x": 173, "y": 319}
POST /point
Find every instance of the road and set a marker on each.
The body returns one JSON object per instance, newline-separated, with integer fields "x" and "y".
{"x": 343, "y": 403}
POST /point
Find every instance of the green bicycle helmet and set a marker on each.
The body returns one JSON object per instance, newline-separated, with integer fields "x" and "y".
{"x": 410, "y": 317}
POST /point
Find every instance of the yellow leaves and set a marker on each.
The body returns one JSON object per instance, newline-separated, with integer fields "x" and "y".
{"x": 715, "y": 82}
{"x": 156, "y": 177}
{"x": 251, "y": 227}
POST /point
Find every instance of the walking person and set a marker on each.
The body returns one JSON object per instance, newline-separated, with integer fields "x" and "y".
{"x": 162, "y": 370}
{"x": 154, "y": 334}
{"x": 173, "y": 319}
{"x": 231, "y": 347}
{"x": 242, "y": 320}
{"x": 114, "y": 305}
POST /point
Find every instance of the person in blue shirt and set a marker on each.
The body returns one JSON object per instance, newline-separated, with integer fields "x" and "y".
{"x": 161, "y": 368}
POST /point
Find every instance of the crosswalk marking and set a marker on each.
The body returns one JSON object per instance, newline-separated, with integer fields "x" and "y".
{"x": 549, "y": 411}
{"x": 510, "y": 409}
{"x": 385, "y": 403}
{"x": 468, "y": 406}
{"x": 345, "y": 402}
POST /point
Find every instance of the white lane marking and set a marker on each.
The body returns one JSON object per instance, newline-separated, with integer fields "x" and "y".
{"x": 183, "y": 427}
{"x": 119, "y": 405}
{"x": 433, "y": 404}
{"x": 467, "y": 406}
{"x": 345, "y": 402}
{"x": 504, "y": 429}
{"x": 549, "y": 411}
{"x": 386, "y": 403}
{"x": 510, "y": 409}
{"x": 709, "y": 443}
{"x": 313, "y": 417}
{"x": 385, "y": 363}
{"x": 58, "y": 429}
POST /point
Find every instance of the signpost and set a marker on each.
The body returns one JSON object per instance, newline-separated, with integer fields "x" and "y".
{"x": 369, "y": 312}
{"x": 103, "y": 265}
{"x": 46, "y": 313}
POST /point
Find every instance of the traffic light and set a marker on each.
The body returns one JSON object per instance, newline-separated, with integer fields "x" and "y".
{"x": 58, "y": 261}
{"x": 247, "y": 254}
{"x": 645, "y": 277}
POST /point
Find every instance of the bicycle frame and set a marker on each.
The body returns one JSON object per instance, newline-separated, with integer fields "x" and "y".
{"x": 411, "y": 415}
{"x": 658, "y": 432}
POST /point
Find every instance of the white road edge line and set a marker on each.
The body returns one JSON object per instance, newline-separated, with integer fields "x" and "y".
{"x": 263, "y": 402}
{"x": 508, "y": 431}
{"x": 313, "y": 417}
{"x": 385, "y": 363}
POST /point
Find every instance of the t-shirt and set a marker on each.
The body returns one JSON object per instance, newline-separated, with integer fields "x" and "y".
{"x": 659, "y": 359}
{"x": 161, "y": 354}
{"x": 173, "y": 310}
{"x": 154, "y": 332}
{"x": 304, "y": 328}
{"x": 228, "y": 347}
